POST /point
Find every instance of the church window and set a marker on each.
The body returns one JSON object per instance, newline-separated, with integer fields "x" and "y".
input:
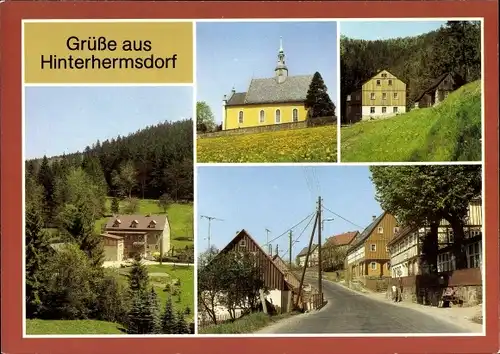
{"x": 240, "y": 117}
{"x": 295, "y": 115}
{"x": 262, "y": 116}
{"x": 278, "y": 116}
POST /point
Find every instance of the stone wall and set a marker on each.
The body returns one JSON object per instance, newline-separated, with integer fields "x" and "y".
{"x": 273, "y": 127}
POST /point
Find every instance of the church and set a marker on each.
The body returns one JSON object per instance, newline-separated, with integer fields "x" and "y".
{"x": 274, "y": 100}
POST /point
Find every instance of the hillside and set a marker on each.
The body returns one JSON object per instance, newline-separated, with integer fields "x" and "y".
{"x": 448, "y": 132}
{"x": 417, "y": 61}
{"x": 317, "y": 144}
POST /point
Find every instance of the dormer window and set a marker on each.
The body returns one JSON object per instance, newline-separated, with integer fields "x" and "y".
{"x": 152, "y": 224}
{"x": 134, "y": 223}
{"x": 117, "y": 223}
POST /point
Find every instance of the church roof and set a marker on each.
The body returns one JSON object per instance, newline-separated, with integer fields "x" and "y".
{"x": 237, "y": 99}
{"x": 269, "y": 90}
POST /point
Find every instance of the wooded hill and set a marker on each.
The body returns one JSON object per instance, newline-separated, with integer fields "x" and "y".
{"x": 418, "y": 61}
{"x": 149, "y": 163}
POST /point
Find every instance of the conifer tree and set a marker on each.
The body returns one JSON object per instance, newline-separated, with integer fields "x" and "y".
{"x": 181, "y": 326}
{"x": 168, "y": 321}
{"x": 318, "y": 101}
{"x": 138, "y": 278}
{"x": 153, "y": 315}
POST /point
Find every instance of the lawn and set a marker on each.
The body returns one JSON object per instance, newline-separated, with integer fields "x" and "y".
{"x": 448, "y": 132}
{"x": 318, "y": 144}
{"x": 244, "y": 325}
{"x": 180, "y": 217}
{"x": 71, "y": 327}
{"x": 184, "y": 273}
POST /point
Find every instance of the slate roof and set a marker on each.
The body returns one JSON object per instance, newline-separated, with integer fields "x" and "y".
{"x": 237, "y": 99}
{"x": 366, "y": 232}
{"x": 144, "y": 223}
{"x": 402, "y": 233}
{"x": 343, "y": 239}
{"x": 304, "y": 250}
{"x": 293, "y": 89}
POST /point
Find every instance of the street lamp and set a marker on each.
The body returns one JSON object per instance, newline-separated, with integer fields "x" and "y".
{"x": 323, "y": 222}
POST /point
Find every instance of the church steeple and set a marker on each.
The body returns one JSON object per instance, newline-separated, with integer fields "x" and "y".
{"x": 281, "y": 70}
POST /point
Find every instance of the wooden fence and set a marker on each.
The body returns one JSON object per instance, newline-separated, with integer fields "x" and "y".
{"x": 221, "y": 318}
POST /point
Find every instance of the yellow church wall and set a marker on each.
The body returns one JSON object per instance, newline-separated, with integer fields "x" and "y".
{"x": 251, "y": 114}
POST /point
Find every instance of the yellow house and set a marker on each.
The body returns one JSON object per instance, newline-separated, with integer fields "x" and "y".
{"x": 275, "y": 100}
{"x": 382, "y": 96}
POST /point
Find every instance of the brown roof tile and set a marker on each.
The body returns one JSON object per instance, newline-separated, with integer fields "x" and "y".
{"x": 136, "y": 223}
{"x": 343, "y": 239}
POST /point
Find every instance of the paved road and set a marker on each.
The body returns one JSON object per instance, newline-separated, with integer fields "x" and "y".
{"x": 351, "y": 312}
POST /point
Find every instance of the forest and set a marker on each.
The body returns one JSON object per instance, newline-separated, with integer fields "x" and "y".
{"x": 150, "y": 163}
{"x": 417, "y": 61}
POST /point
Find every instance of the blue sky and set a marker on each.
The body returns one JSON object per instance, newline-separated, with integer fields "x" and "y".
{"x": 372, "y": 30}
{"x": 231, "y": 54}
{"x": 277, "y": 198}
{"x": 67, "y": 119}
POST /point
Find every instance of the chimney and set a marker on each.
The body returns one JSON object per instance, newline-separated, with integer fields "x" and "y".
{"x": 270, "y": 249}
{"x": 374, "y": 217}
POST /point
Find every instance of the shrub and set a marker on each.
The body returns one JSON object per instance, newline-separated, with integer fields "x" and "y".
{"x": 112, "y": 303}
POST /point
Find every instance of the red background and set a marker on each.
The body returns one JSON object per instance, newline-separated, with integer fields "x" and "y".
{"x": 11, "y": 174}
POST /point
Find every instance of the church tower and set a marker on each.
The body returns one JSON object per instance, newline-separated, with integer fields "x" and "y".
{"x": 281, "y": 70}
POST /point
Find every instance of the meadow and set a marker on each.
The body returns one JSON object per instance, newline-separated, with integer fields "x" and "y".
{"x": 450, "y": 131}
{"x": 318, "y": 144}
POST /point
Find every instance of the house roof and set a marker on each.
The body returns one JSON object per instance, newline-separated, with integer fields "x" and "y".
{"x": 239, "y": 235}
{"x": 237, "y": 99}
{"x": 304, "y": 250}
{"x": 136, "y": 223}
{"x": 401, "y": 234}
{"x": 115, "y": 237}
{"x": 438, "y": 81}
{"x": 370, "y": 78}
{"x": 269, "y": 90}
{"x": 343, "y": 239}
{"x": 361, "y": 238}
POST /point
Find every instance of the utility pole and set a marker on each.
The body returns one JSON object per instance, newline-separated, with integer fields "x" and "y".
{"x": 290, "y": 251}
{"x": 210, "y": 218}
{"x": 307, "y": 259}
{"x": 320, "y": 264}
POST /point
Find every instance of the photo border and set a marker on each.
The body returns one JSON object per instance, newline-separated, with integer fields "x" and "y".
{"x": 11, "y": 169}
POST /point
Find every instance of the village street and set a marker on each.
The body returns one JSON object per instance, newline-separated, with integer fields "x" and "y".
{"x": 351, "y": 312}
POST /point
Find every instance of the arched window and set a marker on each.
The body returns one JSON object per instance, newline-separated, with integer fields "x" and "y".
{"x": 295, "y": 115}
{"x": 240, "y": 117}
{"x": 262, "y": 116}
{"x": 278, "y": 116}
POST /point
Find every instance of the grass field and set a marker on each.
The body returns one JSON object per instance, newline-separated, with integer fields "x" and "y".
{"x": 244, "y": 325}
{"x": 180, "y": 217}
{"x": 71, "y": 327}
{"x": 448, "y": 132}
{"x": 317, "y": 144}
{"x": 184, "y": 273}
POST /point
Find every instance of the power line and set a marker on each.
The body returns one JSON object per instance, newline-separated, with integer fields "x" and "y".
{"x": 290, "y": 228}
{"x": 340, "y": 216}
{"x": 303, "y": 230}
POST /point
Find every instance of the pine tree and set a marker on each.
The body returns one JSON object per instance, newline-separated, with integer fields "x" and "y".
{"x": 46, "y": 180}
{"x": 37, "y": 252}
{"x": 115, "y": 206}
{"x": 168, "y": 321}
{"x": 181, "y": 326}
{"x": 144, "y": 316}
{"x": 138, "y": 278}
{"x": 318, "y": 101}
{"x": 154, "y": 314}
{"x": 135, "y": 316}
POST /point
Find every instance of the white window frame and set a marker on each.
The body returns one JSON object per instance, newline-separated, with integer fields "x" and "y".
{"x": 373, "y": 247}
{"x": 395, "y": 95}
{"x": 394, "y": 109}
{"x": 384, "y": 109}
{"x": 474, "y": 256}
{"x": 277, "y": 116}
{"x": 384, "y": 95}
{"x": 295, "y": 115}
{"x": 372, "y": 110}
{"x": 262, "y": 116}
{"x": 240, "y": 117}
{"x": 372, "y": 96}
{"x": 372, "y": 265}
{"x": 380, "y": 230}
